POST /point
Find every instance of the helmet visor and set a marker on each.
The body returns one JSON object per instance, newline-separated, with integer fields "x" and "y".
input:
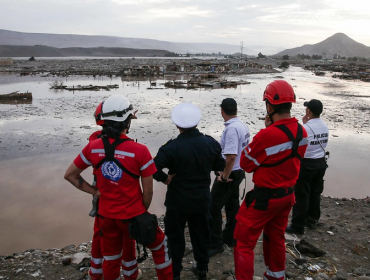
{"x": 118, "y": 113}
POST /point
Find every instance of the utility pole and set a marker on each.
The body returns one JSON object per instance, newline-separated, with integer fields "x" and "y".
{"x": 241, "y": 49}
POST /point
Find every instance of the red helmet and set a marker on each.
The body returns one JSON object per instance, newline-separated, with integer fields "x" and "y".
{"x": 97, "y": 114}
{"x": 278, "y": 92}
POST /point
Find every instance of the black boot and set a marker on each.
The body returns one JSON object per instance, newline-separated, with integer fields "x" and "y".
{"x": 200, "y": 274}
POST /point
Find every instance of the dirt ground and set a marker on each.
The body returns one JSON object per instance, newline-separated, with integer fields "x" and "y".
{"x": 343, "y": 237}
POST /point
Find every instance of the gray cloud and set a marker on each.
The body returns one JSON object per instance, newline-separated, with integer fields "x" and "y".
{"x": 279, "y": 23}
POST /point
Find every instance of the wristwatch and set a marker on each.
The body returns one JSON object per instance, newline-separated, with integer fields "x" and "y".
{"x": 223, "y": 180}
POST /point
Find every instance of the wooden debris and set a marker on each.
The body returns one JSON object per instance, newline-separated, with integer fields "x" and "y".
{"x": 16, "y": 96}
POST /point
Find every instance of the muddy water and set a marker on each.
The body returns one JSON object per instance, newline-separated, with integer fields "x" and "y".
{"x": 39, "y": 140}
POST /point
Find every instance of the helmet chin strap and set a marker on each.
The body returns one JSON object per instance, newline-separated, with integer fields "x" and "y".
{"x": 270, "y": 116}
{"x": 128, "y": 125}
{"x": 272, "y": 113}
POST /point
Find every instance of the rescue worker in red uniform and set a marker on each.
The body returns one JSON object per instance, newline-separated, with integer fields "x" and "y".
{"x": 96, "y": 262}
{"x": 120, "y": 163}
{"x": 274, "y": 158}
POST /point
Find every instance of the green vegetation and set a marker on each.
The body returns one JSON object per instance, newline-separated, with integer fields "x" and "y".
{"x": 355, "y": 58}
{"x": 260, "y": 55}
{"x": 210, "y": 54}
{"x": 32, "y": 59}
{"x": 171, "y": 54}
{"x": 286, "y": 57}
{"x": 314, "y": 56}
{"x": 284, "y": 64}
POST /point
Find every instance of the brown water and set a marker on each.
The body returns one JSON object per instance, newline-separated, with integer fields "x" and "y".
{"x": 39, "y": 209}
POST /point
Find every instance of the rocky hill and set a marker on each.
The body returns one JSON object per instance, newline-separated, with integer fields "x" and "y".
{"x": 339, "y": 44}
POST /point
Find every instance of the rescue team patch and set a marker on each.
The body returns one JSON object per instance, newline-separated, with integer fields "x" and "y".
{"x": 111, "y": 171}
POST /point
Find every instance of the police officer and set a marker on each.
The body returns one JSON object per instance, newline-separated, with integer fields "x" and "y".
{"x": 274, "y": 158}
{"x": 310, "y": 183}
{"x": 189, "y": 158}
{"x": 121, "y": 164}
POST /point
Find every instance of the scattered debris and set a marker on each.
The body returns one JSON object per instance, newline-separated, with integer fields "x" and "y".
{"x": 16, "y": 96}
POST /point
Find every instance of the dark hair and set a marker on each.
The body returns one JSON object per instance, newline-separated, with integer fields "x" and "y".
{"x": 283, "y": 108}
{"x": 230, "y": 112}
{"x": 186, "y": 129}
{"x": 114, "y": 129}
{"x": 229, "y": 106}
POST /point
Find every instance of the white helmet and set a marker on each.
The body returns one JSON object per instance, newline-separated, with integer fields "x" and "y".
{"x": 116, "y": 108}
{"x": 185, "y": 115}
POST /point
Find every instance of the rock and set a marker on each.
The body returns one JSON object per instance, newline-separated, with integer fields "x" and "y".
{"x": 300, "y": 261}
{"x": 36, "y": 274}
{"x": 66, "y": 260}
{"x": 322, "y": 276}
{"x": 359, "y": 271}
{"x": 79, "y": 257}
{"x": 69, "y": 248}
{"x": 306, "y": 248}
{"x": 290, "y": 275}
{"x": 363, "y": 277}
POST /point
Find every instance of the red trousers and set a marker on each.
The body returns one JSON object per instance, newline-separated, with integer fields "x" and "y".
{"x": 250, "y": 224}
{"x": 119, "y": 250}
{"x": 96, "y": 270}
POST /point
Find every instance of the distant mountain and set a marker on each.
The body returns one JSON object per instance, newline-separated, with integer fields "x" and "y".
{"x": 339, "y": 44}
{"x": 84, "y": 41}
{"x": 45, "y": 51}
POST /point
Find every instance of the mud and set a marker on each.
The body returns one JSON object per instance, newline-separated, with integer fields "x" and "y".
{"x": 342, "y": 236}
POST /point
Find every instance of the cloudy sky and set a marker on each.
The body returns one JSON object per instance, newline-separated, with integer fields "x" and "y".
{"x": 277, "y": 23}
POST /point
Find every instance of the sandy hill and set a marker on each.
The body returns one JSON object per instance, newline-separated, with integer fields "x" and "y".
{"x": 339, "y": 44}
{"x": 46, "y": 51}
{"x": 85, "y": 41}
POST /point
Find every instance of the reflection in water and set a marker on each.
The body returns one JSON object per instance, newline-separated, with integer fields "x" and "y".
{"x": 42, "y": 210}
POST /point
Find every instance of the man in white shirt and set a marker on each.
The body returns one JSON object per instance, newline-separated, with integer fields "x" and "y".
{"x": 310, "y": 183}
{"x": 225, "y": 189}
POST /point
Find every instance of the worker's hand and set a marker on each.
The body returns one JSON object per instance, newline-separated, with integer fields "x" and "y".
{"x": 133, "y": 117}
{"x": 97, "y": 194}
{"x": 268, "y": 121}
{"x": 169, "y": 179}
{"x": 219, "y": 179}
{"x": 305, "y": 119}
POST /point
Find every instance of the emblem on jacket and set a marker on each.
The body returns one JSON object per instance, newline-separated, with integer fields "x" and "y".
{"x": 111, "y": 171}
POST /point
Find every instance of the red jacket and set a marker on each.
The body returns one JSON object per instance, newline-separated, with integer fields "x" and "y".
{"x": 121, "y": 195}
{"x": 270, "y": 145}
{"x": 95, "y": 135}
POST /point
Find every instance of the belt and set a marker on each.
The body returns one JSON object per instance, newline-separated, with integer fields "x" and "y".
{"x": 313, "y": 159}
{"x": 262, "y": 196}
{"x": 273, "y": 193}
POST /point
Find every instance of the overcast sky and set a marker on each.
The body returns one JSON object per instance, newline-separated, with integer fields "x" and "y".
{"x": 277, "y": 23}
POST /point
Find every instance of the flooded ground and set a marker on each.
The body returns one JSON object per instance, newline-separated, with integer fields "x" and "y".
{"x": 39, "y": 140}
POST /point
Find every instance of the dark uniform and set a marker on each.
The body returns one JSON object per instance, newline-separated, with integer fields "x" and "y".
{"x": 191, "y": 157}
